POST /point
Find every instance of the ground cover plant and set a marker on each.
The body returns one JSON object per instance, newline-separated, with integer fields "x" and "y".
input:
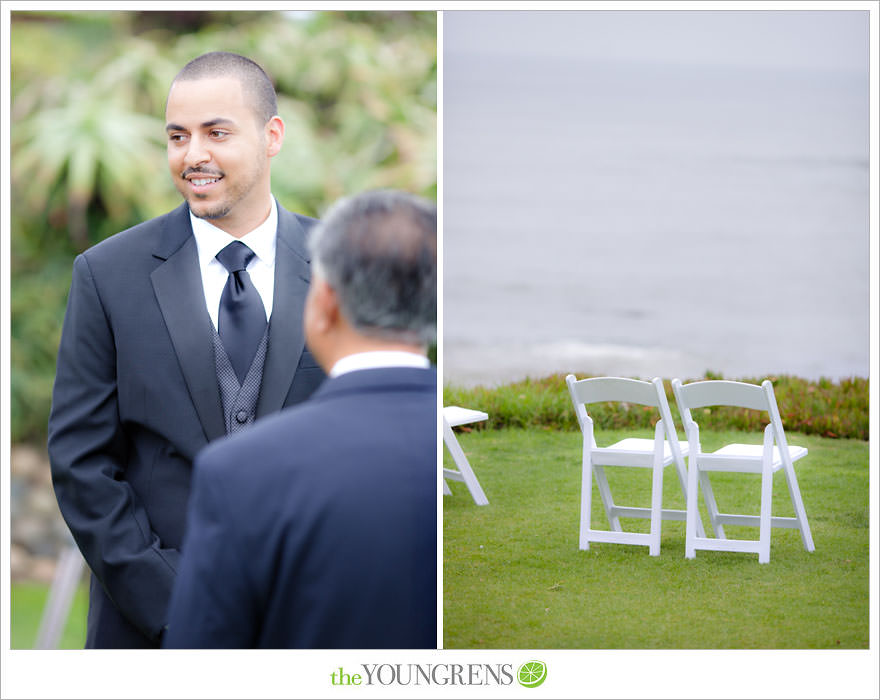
{"x": 26, "y": 610}
{"x": 827, "y": 408}
{"x": 514, "y": 577}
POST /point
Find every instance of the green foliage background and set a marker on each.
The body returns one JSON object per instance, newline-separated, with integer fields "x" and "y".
{"x": 357, "y": 92}
{"x": 823, "y": 407}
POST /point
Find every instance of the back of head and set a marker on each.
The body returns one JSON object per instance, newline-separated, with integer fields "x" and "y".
{"x": 378, "y": 251}
{"x": 255, "y": 83}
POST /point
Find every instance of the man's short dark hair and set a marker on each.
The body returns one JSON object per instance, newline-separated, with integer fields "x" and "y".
{"x": 256, "y": 85}
{"x": 378, "y": 251}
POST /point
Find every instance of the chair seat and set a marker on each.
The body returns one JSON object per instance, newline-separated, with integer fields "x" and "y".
{"x": 456, "y": 415}
{"x": 749, "y": 457}
{"x": 634, "y": 452}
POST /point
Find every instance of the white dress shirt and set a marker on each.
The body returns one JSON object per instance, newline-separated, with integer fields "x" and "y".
{"x": 378, "y": 359}
{"x": 210, "y": 240}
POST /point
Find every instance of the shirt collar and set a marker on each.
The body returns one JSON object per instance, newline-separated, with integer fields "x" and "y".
{"x": 378, "y": 359}
{"x": 210, "y": 240}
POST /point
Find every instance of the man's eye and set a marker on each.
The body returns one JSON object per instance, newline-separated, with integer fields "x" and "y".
{"x": 217, "y": 134}
{"x": 176, "y": 137}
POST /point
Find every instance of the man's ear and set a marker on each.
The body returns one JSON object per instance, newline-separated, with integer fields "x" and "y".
{"x": 274, "y": 136}
{"x": 327, "y": 304}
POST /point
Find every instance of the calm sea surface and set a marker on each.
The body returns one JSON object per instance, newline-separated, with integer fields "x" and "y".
{"x": 642, "y": 220}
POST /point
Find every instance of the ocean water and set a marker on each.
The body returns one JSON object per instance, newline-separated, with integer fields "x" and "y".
{"x": 652, "y": 220}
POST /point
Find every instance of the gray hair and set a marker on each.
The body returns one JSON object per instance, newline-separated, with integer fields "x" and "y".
{"x": 255, "y": 84}
{"x": 378, "y": 251}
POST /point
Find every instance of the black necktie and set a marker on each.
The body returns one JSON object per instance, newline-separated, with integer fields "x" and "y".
{"x": 242, "y": 318}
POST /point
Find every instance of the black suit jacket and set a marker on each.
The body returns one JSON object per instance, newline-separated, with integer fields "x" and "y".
{"x": 136, "y": 397}
{"x": 317, "y": 528}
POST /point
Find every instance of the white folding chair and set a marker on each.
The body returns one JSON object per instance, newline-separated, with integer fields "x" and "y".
{"x": 656, "y": 454}
{"x": 452, "y": 416}
{"x": 764, "y": 459}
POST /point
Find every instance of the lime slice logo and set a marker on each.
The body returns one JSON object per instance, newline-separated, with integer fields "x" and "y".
{"x": 532, "y": 673}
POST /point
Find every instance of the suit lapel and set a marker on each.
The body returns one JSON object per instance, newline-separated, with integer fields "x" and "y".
{"x": 286, "y": 335}
{"x": 178, "y": 288}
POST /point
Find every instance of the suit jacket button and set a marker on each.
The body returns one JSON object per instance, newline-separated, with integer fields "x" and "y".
{"x": 241, "y": 416}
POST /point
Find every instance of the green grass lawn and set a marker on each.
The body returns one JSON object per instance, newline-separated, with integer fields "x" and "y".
{"x": 28, "y": 601}
{"x": 514, "y": 577}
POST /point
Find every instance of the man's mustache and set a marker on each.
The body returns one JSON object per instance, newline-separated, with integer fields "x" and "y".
{"x": 200, "y": 171}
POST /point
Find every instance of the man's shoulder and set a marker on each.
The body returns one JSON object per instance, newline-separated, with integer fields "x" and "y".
{"x": 377, "y": 381}
{"x": 305, "y": 221}
{"x": 378, "y": 401}
{"x": 142, "y": 237}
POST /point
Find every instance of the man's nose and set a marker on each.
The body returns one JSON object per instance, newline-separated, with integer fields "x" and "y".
{"x": 196, "y": 153}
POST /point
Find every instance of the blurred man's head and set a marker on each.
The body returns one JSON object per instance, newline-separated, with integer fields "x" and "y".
{"x": 374, "y": 276}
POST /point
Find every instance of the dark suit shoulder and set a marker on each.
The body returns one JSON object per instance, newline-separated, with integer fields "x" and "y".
{"x": 381, "y": 380}
{"x": 293, "y": 231}
{"x": 305, "y": 221}
{"x": 139, "y": 239}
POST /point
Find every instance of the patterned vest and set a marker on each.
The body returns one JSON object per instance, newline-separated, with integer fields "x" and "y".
{"x": 239, "y": 400}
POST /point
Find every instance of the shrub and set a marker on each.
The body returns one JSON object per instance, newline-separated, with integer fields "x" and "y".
{"x": 823, "y": 407}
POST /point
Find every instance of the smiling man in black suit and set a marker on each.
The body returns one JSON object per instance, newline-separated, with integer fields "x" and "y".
{"x": 317, "y": 528}
{"x": 178, "y": 331}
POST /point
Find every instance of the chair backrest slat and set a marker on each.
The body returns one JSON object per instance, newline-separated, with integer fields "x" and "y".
{"x": 775, "y": 418}
{"x": 598, "y": 389}
{"x": 723, "y": 393}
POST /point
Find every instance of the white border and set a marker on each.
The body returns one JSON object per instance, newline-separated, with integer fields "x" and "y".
{"x": 572, "y": 673}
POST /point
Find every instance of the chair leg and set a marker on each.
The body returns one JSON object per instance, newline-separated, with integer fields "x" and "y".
{"x": 682, "y": 480}
{"x": 799, "y": 510}
{"x": 586, "y": 497}
{"x": 711, "y": 505}
{"x": 470, "y": 479}
{"x": 690, "y": 550}
{"x": 766, "y": 505}
{"x": 765, "y": 520}
{"x": 656, "y": 509}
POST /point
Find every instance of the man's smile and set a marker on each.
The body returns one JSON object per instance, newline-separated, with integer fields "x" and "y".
{"x": 202, "y": 183}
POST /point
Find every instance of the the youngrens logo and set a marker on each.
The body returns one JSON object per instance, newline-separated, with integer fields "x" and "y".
{"x": 531, "y": 674}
